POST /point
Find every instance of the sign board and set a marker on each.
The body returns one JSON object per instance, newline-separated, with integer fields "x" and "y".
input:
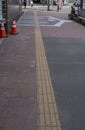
{"x": 0, "y": 9}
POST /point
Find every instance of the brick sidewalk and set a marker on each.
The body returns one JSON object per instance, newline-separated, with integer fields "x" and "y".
{"x": 18, "y": 109}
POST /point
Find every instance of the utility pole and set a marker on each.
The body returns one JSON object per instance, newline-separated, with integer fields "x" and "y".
{"x": 20, "y": 3}
{"x": 48, "y": 5}
{"x": 0, "y": 10}
{"x": 5, "y": 13}
{"x": 81, "y": 4}
{"x": 7, "y": 17}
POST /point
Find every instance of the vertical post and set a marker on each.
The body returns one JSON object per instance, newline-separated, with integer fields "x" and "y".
{"x": 27, "y": 2}
{"x": 58, "y": 7}
{"x": 48, "y": 5}
{"x": 20, "y": 6}
{"x": 1, "y": 10}
{"x": 7, "y": 26}
{"x": 81, "y": 4}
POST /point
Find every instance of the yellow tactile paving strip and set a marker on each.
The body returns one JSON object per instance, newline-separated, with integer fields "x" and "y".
{"x": 47, "y": 109}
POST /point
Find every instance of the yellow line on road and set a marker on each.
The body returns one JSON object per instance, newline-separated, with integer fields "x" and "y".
{"x": 47, "y": 109}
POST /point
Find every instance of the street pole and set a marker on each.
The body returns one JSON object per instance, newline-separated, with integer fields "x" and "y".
{"x": 81, "y": 4}
{"x": 58, "y": 7}
{"x": 48, "y": 5}
{"x": 20, "y": 6}
{"x": 7, "y": 26}
{"x": 0, "y": 10}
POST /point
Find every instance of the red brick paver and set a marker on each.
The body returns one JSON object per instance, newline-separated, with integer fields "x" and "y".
{"x": 18, "y": 107}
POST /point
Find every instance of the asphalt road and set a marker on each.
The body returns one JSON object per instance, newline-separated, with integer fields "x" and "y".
{"x": 65, "y": 51}
{"x": 67, "y": 67}
{"x": 64, "y": 43}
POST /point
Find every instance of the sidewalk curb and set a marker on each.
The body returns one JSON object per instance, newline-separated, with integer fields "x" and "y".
{"x": 1, "y": 40}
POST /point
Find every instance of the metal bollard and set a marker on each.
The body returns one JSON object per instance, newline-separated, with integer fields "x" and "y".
{"x": 58, "y": 8}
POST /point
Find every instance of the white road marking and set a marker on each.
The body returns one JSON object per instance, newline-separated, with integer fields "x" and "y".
{"x": 59, "y": 22}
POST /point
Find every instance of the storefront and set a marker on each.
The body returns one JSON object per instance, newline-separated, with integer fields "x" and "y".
{"x": 10, "y": 9}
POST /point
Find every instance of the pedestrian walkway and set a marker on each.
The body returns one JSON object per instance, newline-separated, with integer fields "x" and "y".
{"x": 18, "y": 90}
{"x": 64, "y": 9}
{"x": 26, "y": 101}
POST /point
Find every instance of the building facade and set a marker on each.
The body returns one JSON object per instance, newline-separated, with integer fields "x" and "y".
{"x": 10, "y": 9}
